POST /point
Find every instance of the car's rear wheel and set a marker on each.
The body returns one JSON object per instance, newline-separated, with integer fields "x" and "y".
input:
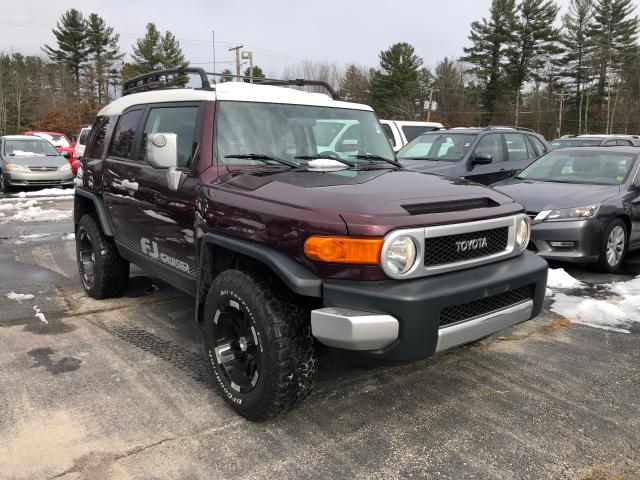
{"x": 613, "y": 246}
{"x": 258, "y": 340}
{"x": 4, "y": 185}
{"x": 103, "y": 272}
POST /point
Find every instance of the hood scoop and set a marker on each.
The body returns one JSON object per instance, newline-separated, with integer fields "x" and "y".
{"x": 450, "y": 206}
{"x": 325, "y": 165}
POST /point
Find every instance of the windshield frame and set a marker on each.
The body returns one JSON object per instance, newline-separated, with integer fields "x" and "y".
{"x": 383, "y": 143}
{"x": 630, "y": 170}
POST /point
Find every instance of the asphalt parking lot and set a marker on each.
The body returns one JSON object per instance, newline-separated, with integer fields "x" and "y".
{"x": 120, "y": 389}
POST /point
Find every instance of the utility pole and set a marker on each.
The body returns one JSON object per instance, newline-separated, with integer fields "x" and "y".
{"x": 249, "y": 56}
{"x": 213, "y": 38}
{"x": 562, "y": 97}
{"x": 237, "y": 49}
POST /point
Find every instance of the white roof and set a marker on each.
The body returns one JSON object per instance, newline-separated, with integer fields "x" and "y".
{"x": 22, "y": 137}
{"x": 237, "y": 91}
{"x": 409, "y": 123}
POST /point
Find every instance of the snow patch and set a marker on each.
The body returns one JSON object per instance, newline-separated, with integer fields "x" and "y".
{"x": 39, "y": 315}
{"x": 558, "y": 278}
{"x": 68, "y": 236}
{"x": 45, "y": 192}
{"x": 37, "y": 214}
{"x": 18, "y": 205}
{"x": 19, "y": 297}
{"x": 33, "y": 236}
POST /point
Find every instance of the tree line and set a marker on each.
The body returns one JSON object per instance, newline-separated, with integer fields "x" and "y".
{"x": 527, "y": 64}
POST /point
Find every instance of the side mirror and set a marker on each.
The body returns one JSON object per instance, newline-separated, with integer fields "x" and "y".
{"x": 162, "y": 150}
{"x": 481, "y": 158}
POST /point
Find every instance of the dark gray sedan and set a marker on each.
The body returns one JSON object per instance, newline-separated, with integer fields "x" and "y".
{"x": 28, "y": 161}
{"x": 584, "y": 204}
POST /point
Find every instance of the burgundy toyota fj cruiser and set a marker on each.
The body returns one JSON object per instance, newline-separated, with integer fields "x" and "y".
{"x": 226, "y": 192}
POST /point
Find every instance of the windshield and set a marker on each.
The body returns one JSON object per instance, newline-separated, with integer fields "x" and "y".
{"x": 581, "y": 167}
{"x": 30, "y": 148}
{"x": 437, "y": 146}
{"x": 574, "y": 142}
{"x": 56, "y": 140}
{"x": 284, "y": 132}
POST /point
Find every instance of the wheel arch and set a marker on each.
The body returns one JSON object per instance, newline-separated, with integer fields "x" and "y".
{"x": 86, "y": 202}
{"x": 220, "y": 252}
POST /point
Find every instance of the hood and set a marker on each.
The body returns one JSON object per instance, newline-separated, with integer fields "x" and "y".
{"x": 536, "y": 196}
{"x": 359, "y": 195}
{"x": 36, "y": 160}
{"x": 441, "y": 167}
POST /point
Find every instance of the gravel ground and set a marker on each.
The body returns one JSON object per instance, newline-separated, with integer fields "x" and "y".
{"x": 120, "y": 389}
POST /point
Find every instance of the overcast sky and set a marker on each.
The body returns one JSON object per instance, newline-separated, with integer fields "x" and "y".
{"x": 280, "y": 32}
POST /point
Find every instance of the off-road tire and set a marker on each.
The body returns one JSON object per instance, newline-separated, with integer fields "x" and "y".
{"x": 4, "y": 188}
{"x": 283, "y": 329}
{"x": 111, "y": 271}
{"x": 603, "y": 265}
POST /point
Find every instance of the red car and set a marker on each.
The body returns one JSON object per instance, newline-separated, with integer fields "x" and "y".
{"x": 62, "y": 144}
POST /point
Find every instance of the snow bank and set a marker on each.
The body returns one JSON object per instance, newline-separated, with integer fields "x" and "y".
{"x": 19, "y": 297}
{"x": 46, "y": 192}
{"x": 558, "y": 278}
{"x": 37, "y": 214}
{"x": 18, "y": 205}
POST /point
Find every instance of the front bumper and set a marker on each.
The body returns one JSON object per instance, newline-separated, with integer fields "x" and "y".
{"x": 34, "y": 179}
{"x": 584, "y": 234}
{"x": 401, "y": 320}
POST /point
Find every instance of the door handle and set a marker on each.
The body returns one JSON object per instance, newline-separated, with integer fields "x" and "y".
{"x": 129, "y": 185}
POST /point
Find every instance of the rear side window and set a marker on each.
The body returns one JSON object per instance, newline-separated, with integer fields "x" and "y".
{"x": 97, "y": 136}
{"x": 387, "y": 130}
{"x": 412, "y": 132}
{"x": 125, "y": 134}
{"x": 83, "y": 136}
{"x": 539, "y": 146}
{"x": 516, "y": 146}
{"x": 178, "y": 120}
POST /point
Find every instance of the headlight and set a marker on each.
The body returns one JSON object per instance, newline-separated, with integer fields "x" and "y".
{"x": 523, "y": 232}
{"x": 13, "y": 167}
{"x": 399, "y": 255}
{"x": 568, "y": 214}
{"x": 66, "y": 167}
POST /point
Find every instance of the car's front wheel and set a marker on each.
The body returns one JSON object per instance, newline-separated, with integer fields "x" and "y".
{"x": 258, "y": 340}
{"x": 613, "y": 246}
{"x": 4, "y": 185}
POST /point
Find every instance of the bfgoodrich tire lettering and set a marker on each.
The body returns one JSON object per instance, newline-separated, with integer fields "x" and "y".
{"x": 274, "y": 326}
{"x": 103, "y": 272}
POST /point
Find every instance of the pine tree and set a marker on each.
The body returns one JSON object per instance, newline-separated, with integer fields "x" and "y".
{"x": 159, "y": 52}
{"x": 533, "y": 42}
{"x": 103, "y": 50}
{"x": 355, "y": 85}
{"x": 257, "y": 74}
{"x": 489, "y": 38}
{"x": 614, "y": 31}
{"x": 72, "y": 43}
{"x": 226, "y": 76}
{"x": 395, "y": 86}
{"x": 576, "y": 60}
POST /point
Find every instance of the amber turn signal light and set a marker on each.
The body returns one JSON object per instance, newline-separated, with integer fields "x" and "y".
{"x": 344, "y": 249}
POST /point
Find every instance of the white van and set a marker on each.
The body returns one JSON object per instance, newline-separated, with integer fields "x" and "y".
{"x": 401, "y": 132}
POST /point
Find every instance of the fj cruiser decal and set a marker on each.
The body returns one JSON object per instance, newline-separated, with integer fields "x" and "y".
{"x": 150, "y": 248}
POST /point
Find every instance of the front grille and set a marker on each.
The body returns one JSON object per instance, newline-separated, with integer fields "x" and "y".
{"x": 449, "y": 206}
{"x": 43, "y": 169}
{"x": 465, "y": 246}
{"x": 44, "y": 182}
{"x": 485, "y": 306}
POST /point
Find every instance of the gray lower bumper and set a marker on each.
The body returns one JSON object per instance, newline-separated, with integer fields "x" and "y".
{"x": 357, "y": 330}
{"x": 471, "y": 330}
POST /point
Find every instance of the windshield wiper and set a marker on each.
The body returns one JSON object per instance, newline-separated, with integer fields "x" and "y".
{"x": 373, "y": 158}
{"x": 324, "y": 157}
{"x": 263, "y": 157}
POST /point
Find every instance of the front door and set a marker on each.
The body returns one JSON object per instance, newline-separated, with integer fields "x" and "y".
{"x": 494, "y": 171}
{"x": 151, "y": 219}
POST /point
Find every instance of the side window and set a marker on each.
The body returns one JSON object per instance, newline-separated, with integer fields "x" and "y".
{"x": 539, "y": 146}
{"x": 387, "y": 130}
{"x": 97, "y": 137}
{"x": 608, "y": 143}
{"x": 178, "y": 120}
{"x": 623, "y": 142}
{"x": 491, "y": 144}
{"x": 83, "y": 136}
{"x": 125, "y": 134}
{"x": 349, "y": 140}
{"x": 516, "y": 146}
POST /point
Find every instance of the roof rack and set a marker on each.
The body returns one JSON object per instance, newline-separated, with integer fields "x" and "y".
{"x": 508, "y": 127}
{"x": 278, "y": 82}
{"x": 152, "y": 80}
